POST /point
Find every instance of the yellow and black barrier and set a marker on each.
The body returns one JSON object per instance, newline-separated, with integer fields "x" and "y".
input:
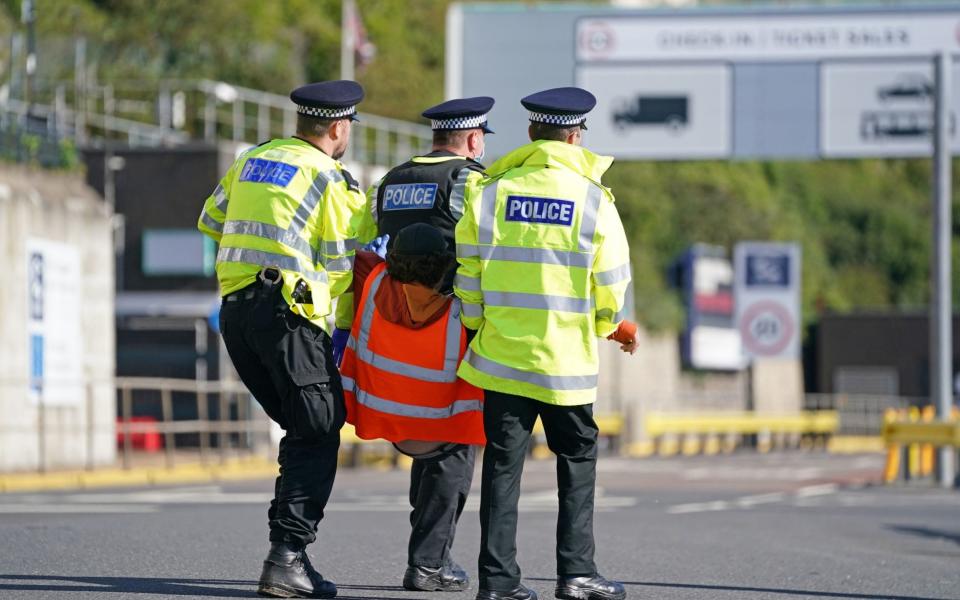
{"x": 911, "y": 435}
{"x": 713, "y": 433}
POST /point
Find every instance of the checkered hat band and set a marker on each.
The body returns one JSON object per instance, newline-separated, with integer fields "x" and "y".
{"x": 459, "y": 122}
{"x": 561, "y": 120}
{"x": 326, "y": 113}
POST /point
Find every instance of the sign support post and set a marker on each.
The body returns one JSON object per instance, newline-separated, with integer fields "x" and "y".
{"x": 941, "y": 306}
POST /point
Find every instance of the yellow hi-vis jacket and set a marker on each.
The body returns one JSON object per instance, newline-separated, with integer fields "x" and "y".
{"x": 286, "y": 204}
{"x": 544, "y": 268}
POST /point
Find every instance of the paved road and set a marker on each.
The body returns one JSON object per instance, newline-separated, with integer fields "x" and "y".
{"x": 780, "y": 526}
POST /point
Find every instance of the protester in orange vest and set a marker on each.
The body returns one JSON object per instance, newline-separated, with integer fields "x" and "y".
{"x": 399, "y": 373}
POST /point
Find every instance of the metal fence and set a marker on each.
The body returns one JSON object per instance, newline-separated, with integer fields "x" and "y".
{"x": 171, "y": 112}
{"x": 860, "y": 414}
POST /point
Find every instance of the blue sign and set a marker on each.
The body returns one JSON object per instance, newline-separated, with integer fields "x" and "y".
{"x": 530, "y": 209}
{"x": 406, "y": 196}
{"x": 36, "y": 363}
{"x": 768, "y": 270}
{"x": 259, "y": 170}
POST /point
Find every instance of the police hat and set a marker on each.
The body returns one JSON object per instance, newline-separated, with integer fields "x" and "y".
{"x": 461, "y": 113}
{"x": 328, "y": 99}
{"x": 563, "y": 107}
{"x": 419, "y": 239}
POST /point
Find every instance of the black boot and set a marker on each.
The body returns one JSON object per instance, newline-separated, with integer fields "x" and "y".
{"x": 597, "y": 587}
{"x": 449, "y": 578}
{"x": 521, "y": 592}
{"x": 287, "y": 573}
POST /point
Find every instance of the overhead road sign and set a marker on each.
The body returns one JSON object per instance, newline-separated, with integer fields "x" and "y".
{"x": 714, "y": 83}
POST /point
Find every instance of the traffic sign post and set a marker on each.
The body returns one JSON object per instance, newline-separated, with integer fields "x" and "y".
{"x": 941, "y": 305}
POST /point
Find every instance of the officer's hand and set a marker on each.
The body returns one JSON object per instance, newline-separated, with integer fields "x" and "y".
{"x": 379, "y": 245}
{"x": 340, "y": 337}
{"x": 632, "y": 346}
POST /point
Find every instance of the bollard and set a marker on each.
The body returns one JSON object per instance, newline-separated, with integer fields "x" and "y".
{"x": 913, "y": 454}
{"x": 892, "y": 467}
{"x": 927, "y": 415}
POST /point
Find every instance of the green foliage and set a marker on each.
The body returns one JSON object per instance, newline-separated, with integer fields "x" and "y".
{"x": 864, "y": 226}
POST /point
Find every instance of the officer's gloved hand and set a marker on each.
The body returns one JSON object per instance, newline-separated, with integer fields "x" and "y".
{"x": 340, "y": 337}
{"x": 379, "y": 245}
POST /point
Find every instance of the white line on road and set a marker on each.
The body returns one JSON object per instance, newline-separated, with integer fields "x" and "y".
{"x": 9, "y": 509}
{"x": 805, "y": 496}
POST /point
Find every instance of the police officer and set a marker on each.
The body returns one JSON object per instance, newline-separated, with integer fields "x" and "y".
{"x": 544, "y": 267}
{"x": 429, "y": 189}
{"x": 288, "y": 216}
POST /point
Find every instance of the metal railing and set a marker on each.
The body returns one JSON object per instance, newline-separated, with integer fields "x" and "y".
{"x": 224, "y": 431}
{"x": 171, "y": 112}
{"x": 860, "y": 414}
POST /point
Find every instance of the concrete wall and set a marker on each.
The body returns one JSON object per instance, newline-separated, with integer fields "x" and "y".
{"x": 41, "y": 205}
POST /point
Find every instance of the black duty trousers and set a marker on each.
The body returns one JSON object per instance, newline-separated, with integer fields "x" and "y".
{"x": 287, "y": 364}
{"x": 438, "y": 491}
{"x": 572, "y": 435}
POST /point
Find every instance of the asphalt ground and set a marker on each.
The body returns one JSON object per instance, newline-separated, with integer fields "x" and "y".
{"x": 747, "y": 526}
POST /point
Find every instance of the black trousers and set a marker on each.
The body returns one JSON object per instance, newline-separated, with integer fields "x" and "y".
{"x": 287, "y": 364}
{"x": 572, "y": 435}
{"x": 438, "y": 491}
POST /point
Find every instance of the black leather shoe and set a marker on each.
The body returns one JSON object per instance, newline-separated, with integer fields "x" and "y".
{"x": 521, "y": 592}
{"x": 597, "y": 587}
{"x": 449, "y": 578}
{"x": 287, "y": 573}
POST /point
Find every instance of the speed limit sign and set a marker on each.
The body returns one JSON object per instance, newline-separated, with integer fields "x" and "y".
{"x": 766, "y": 328}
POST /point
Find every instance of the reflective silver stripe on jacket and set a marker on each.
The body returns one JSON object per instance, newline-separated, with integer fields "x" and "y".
{"x": 537, "y": 301}
{"x": 473, "y": 311}
{"x": 470, "y": 284}
{"x": 488, "y": 213}
{"x": 220, "y": 199}
{"x": 588, "y": 224}
{"x": 210, "y": 222}
{"x": 338, "y": 247}
{"x": 456, "y": 195}
{"x": 344, "y": 263}
{"x": 551, "y": 382}
{"x": 614, "y": 275}
{"x": 544, "y": 256}
{"x": 272, "y": 233}
{"x": 361, "y": 346}
{"x": 269, "y": 259}
{"x": 373, "y": 202}
{"x": 309, "y": 203}
{"x": 407, "y": 410}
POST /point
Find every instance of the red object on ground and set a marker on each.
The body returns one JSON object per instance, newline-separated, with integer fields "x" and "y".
{"x": 148, "y": 441}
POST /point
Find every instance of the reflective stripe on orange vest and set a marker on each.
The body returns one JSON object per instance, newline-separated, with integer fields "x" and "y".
{"x": 401, "y": 384}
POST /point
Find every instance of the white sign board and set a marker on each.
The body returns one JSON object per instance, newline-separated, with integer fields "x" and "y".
{"x": 54, "y": 303}
{"x": 880, "y": 108}
{"x": 764, "y": 37}
{"x": 656, "y": 111}
{"x": 767, "y": 299}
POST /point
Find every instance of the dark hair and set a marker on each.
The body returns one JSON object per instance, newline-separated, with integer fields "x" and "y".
{"x": 449, "y": 137}
{"x": 556, "y": 133}
{"x": 425, "y": 269}
{"x": 313, "y": 126}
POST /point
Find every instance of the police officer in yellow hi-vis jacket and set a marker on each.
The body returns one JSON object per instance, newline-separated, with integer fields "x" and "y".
{"x": 288, "y": 218}
{"x": 544, "y": 267}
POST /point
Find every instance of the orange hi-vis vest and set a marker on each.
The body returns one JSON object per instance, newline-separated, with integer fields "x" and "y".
{"x": 401, "y": 384}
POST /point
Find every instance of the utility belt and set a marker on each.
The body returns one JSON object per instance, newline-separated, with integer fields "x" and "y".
{"x": 268, "y": 281}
